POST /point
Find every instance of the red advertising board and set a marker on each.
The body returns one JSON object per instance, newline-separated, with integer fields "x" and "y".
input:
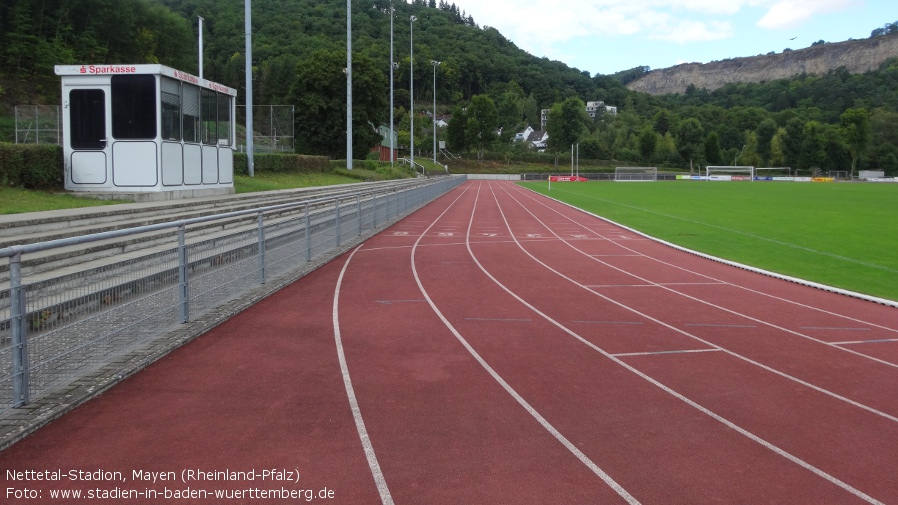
{"x": 566, "y": 178}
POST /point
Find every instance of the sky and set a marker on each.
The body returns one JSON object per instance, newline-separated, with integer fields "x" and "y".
{"x": 608, "y": 36}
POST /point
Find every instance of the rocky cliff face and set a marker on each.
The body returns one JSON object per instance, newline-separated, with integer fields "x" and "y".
{"x": 857, "y": 56}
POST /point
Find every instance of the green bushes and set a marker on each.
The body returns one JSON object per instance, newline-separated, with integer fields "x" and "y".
{"x": 31, "y": 166}
{"x": 281, "y": 163}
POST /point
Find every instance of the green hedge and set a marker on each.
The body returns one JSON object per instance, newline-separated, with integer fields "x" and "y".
{"x": 31, "y": 166}
{"x": 281, "y": 163}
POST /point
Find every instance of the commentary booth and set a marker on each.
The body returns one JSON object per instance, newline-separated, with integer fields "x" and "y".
{"x": 145, "y": 129}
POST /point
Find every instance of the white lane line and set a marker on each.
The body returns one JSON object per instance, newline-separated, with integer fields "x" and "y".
{"x": 795, "y": 459}
{"x": 703, "y": 325}
{"x": 655, "y": 353}
{"x": 686, "y": 333}
{"x": 877, "y": 341}
{"x": 502, "y": 320}
{"x": 583, "y": 458}
{"x": 376, "y": 472}
{"x": 831, "y": 328}
{"x": 609, "y": 322}
{"x": 760, "y": 321}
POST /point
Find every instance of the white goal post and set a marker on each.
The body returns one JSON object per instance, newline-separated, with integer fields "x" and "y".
{"x": 730, "y": 173}
{"x": 635, "y": 174}
{"x": 761, "y": 172}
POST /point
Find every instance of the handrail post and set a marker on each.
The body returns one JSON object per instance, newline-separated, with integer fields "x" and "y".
{"x": 374, "y": 212}
{"x": 261, "y": 249}
{"x": 358, "y": 212}
{"x": 337, "y": 204}
{"x": 20, "y": 369}
{"x": 308, "y": 236}
{"x": 183, "y": 279}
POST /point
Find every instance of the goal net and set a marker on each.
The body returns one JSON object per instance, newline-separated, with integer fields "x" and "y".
{"x": 772, "y": 173}
{"x": 731, "y": 173}
{"x": 635, "y": 174}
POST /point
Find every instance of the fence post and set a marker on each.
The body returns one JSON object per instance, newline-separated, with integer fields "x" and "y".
{"x": 261, "y": 249}
{"x": 358, "y": 212}
{"x": 20, "y": 371}
{"x": 374, "y": 212}
{"x": 308, "y": 236}
{"x": 337, "y": 204}
{"x": 183, "y": 280}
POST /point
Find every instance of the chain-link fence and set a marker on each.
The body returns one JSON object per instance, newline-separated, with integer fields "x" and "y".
{"x": 272, "y": 128}
{"x": 38, "y": 124}
{"x": 54, "y": 331}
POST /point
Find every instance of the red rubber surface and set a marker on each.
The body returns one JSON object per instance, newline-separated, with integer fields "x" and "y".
{"x": 503, "y": 348}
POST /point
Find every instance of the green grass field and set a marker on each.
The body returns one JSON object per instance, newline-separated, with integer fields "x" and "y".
{"x": 843, "y": 235}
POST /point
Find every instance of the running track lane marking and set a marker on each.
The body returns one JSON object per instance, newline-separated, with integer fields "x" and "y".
{"x": 376, "y": 472}
{"x": 685, "y": 333}
{"x": 702, "y": 255}
{"x": 725, "y": 262}
{"x": 795, "y": 459}
{"x": 505, "y": 385}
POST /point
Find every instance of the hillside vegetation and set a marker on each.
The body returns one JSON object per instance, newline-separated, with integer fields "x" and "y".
{"x": 834, "y": 119}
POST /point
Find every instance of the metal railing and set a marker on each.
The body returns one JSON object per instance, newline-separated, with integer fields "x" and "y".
{"x": 54, "y": 331}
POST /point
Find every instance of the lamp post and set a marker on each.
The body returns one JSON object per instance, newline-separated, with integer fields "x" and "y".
{"x": 348, "y": 84}
{"x": 411, "y": 86}
{"x": 392, "y": 67}
{"x": 250, "y": 163}
{"x": 435, "y": 64}
{"x": 201, "y": 45}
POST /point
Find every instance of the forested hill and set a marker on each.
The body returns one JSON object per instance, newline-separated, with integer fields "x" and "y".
{"x": 34, "y": 36}
{"x": 855, "y": 56}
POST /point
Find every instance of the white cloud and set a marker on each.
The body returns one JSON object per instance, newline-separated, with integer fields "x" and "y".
{"x": 793, "y": 13}
{"x": 541, "y": 28}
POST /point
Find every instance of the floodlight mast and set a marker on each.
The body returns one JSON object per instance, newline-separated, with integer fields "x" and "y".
{"x": 348, "y": 84}
{"x": 250, "y": 165}
{"x": 411, "y": 87}
{"x": 392, "y": 67}
{"x": 435, "y": 64}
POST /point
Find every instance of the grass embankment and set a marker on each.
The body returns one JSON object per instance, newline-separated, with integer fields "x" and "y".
{"x": 842, "y": 235}
{"x": 16, "y": 200}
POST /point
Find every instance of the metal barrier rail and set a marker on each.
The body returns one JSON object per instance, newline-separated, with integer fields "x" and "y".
{"x": 53, "y": 332}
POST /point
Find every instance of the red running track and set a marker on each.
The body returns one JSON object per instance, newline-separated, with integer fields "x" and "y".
{"x": 500, "y": 347}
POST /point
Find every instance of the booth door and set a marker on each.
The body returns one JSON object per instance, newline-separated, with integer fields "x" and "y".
{"x": 87, "y": 119}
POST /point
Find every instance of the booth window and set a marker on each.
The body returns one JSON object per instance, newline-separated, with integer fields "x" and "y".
{"x": 87, "y": 118}
{"x": 133, "y": 107}
{"x": 191, "y": 113}
{"x": 209, "y": 113}
{"x": 224, "y": 120}
{"x": 171, "y": 109}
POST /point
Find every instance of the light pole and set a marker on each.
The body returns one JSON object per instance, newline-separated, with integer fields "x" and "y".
{"x": 348, "y": 84}
{"x": 411, "y": 86}
{"x": 435, "y": 64}
{"x": 392, "y": 67}
{"x": 250, "y": 163}
{"x": 201, "y": 45}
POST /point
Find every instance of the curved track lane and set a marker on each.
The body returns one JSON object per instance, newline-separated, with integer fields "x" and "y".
{"x": 500, "y": 347}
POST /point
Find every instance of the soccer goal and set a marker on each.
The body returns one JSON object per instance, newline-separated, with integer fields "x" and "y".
{"x": 635, "y": 174}
{"x": 732, "y": 173}
{"x": 773, "y": 173}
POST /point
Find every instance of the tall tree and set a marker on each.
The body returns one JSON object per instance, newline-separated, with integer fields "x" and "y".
{"x": 483, "y": 119}
{"x": 690, "y": 140}
{"x": 855, "y": 125}
{"x": 567, "y": 124}
{"x": 648, "y": 140}
{"x": 455, "y": 132}
{"x": 319, "y": 93}
{"x": 712, "y": 148}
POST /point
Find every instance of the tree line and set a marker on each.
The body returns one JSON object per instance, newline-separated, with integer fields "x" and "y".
{"x": 492, "y": 88}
